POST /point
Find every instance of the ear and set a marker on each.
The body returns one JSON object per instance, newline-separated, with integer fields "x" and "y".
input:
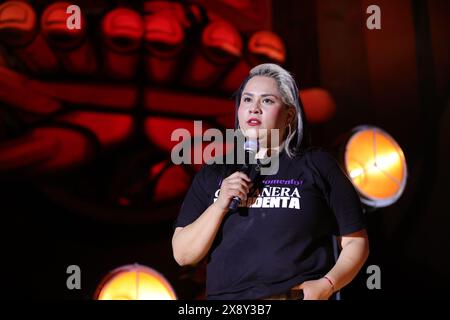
{"x": 291, "y": 113}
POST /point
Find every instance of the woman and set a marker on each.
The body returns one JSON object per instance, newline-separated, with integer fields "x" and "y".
{"x": 280, "y": 240}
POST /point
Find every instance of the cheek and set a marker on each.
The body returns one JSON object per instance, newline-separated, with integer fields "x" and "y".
{"x": 276, "y": 117}
{"x": 241, "y": 116}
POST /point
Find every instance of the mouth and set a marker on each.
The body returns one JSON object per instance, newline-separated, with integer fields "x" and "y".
{"x": 253, "y": 122}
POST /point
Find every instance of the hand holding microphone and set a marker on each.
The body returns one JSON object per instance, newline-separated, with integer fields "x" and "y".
{"x": 237, "y": 185}
{"x": 235, "y": 188}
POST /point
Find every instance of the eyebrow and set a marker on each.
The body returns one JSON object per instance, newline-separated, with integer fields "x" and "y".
{"x": 263, "y": 95}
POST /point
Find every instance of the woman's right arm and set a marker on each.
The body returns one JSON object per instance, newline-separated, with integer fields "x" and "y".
{"x": 190, "y": 244}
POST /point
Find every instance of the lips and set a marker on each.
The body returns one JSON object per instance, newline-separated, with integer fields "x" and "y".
{"x": 253, "y": 122}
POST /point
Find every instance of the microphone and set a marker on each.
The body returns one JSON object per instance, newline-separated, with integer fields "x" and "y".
{"x": 250, "y": 149}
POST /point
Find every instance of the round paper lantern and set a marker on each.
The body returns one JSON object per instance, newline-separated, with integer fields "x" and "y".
{"x": 318, "y": 103}
{"x": 134, "y": 282}
{"x": 376, "y": 165}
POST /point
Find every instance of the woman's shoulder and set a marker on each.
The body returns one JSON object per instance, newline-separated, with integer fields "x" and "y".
{"x": 206, "y": 177}
{"x": 207, "y": 169}
{"x": 316, "y": 153}
{"x": 319, "y": 156}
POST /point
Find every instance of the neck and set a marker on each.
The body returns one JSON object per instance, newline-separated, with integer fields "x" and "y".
{"x": 264, "y": 152}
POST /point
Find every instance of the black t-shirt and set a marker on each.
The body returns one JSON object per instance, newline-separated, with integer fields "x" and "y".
{"x": 282, "y": 235}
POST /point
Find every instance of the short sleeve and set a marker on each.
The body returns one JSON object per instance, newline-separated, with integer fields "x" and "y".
{"x": 196, "y": 200}
{"x": 341, "y": 194}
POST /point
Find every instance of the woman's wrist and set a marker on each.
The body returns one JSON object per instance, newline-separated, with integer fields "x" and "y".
{"x": 220, "y": 209}
{"x": 330, "y": 283}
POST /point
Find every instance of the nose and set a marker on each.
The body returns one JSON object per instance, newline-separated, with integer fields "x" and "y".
{"x": 255, "y": 107}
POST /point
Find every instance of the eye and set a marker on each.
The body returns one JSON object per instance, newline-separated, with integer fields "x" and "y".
{"x": 246, "y": 99}
{"x": 268, "y": 101}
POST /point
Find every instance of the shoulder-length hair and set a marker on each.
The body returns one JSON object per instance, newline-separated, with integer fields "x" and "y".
{"x": 298, "y": 139}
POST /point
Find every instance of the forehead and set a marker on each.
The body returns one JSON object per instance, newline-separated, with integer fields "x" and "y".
{"x": 260, "y": 85}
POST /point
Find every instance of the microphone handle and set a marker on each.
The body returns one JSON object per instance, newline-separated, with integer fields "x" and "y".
{"x": 234, "y": 203}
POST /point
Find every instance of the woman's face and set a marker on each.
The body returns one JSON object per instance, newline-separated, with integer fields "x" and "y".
{"x": 261, "y": 107}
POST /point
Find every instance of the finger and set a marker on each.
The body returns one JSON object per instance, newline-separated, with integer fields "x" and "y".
{"x": 242, "y": 192}
{"x": 306, "y": 293}
{"x": 239, "y": 182}
{"x": 239, "y": 178}
{"x": 235, "y": 175}
{"x": 236, "y": 192}
{"x": 244, "y": 176}
{"x": 239, "y": 174}
{"x": 245, "y": 189}
{"x": 298, "y": 287}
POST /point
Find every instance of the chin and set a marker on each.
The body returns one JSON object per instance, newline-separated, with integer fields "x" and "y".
{"x": 251, "y": 132}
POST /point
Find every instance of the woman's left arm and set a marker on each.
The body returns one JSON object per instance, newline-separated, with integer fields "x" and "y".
{"x": 355, "y": 250}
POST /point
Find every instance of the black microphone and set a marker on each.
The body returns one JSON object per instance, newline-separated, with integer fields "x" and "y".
{"x": 250, "y": 149}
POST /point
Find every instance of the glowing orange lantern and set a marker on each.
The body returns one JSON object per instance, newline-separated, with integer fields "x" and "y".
{"x": 134, "y": 282}
{"x": 376, "y": 165}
